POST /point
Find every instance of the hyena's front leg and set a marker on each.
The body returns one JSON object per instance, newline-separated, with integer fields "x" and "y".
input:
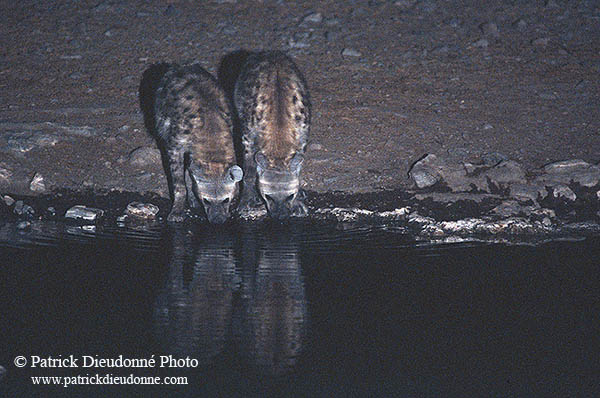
{"x": 176, "y": 167}
{"x": 249, "y": 199}
{"x": 189, "y": 186}
{"x": 299, "y": 208}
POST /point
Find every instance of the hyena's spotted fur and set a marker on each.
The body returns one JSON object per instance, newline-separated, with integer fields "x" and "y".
{"x": 193, "y": 120}
{"x": 273, "y": 104}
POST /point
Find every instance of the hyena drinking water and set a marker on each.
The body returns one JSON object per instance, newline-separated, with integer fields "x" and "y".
{"x": 193, "y": 120}
{"x": 274, "y": 109}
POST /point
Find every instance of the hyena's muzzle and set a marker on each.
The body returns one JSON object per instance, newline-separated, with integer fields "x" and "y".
{"x": 280, "y": 192}
{"x": 216, "y": 195}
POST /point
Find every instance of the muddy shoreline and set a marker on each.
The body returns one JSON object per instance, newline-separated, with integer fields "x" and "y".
{"x": 430, "y": 216}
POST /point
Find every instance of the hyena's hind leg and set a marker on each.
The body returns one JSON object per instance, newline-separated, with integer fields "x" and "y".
{"x": 177, "y": 169}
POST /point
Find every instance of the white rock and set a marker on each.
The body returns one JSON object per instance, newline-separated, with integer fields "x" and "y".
{"x": 22, "y": 209}
{"x": 563, "y": 191}
{"x": 481, "y": 43}
{"x": 141, "y": 210}
{"x": 315, "y": 17}
{"x": 145, "y": 156}
{"x": 350, "y": 52}
{"x": 80, "y": 212}
{"x": 5, "y": 173}
{"x": 566, "y": 166}
{"x": 8, "y": 200}
{"x": 37, "y": 183}
{"x": 23, "y": 225}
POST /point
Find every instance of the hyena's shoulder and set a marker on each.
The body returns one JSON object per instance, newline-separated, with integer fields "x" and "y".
{"x": 188, "y": 101}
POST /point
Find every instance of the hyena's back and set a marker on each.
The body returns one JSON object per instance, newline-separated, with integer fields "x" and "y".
{"x": 193, "y": 115}
{"x": 193, "y": 121}
{"x": 272, "y": 99}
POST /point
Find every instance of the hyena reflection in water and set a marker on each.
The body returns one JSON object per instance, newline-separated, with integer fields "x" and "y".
{"x": 194, "y": 308}
{"x": 273, "y": 104}
{"x": 193, "y": 120}
{"x": 275, "y": 303}
{"x": 221, "y": 297}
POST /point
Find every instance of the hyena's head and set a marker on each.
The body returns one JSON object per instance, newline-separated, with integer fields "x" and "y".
{"x": 278, "y": 187}
{"x": 215, "y": 193}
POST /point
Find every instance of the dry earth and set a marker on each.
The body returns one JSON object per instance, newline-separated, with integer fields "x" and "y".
{"x": 390, "y": 81}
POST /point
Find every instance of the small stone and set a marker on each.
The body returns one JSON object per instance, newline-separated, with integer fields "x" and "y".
{"x": 540, "y": 42}
{"x": 69, "y": 57}
{"x": 315, "y": 17}
{"x": 566, "y": 166}
{"x": 23, "y": 225}
{"x": 51, "y": 211}
{"x": 350, "y": 52}
{"x": 431, "y": 169}
{"x": 5, "y": 173}
{"x": 546, "y": 222}
{"x": 37, "y": 183}
{"x": 487, "y": 126}
{"x": 490, "y": 29}
{"x": 21, "y": 209}
{"x": 528, "y": 191}
{"x": 440, "y": 50}
{"x": 520, "y": 24}
{"x": 427, "y": 6}
{"x": 80, "y": 212}
{"x": 145, "y": 156}
{"x": 481, "y": 43}
{"x": 314, "y": 146}
{"x": 141, "y": 210}
{"x": 405, "y": 4}
{"x": 295, "y": 43}
{"x": 124, "y": 128}
{"x": 598, "y": 195}
{"x": 563, "y": 191}
{"x": 423, "y": 179}
{"x": 8, "y": 200}
{"x": 76, "y": 75}
{"x": 493, "y": 158}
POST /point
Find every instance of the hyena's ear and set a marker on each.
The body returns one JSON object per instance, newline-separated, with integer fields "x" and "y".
{"x": 235, "y": 173}
{"x": 296, "y": 163}
{"x": 261, "y": 162}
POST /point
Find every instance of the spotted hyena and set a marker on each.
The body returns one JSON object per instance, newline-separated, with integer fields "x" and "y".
{"x": 193, "y": 120}
{"x": 273, "y": 104}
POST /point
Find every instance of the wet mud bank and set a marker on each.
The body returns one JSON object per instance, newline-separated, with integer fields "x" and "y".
{"x": 434, "y": 213}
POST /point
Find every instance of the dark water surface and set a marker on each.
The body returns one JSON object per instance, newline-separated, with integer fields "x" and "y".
{"x": 299, "y": 310}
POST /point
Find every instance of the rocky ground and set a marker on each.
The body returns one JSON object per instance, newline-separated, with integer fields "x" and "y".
{"x": 477, "y": 100}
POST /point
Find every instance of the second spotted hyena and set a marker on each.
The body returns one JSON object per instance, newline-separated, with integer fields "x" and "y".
{"x": 193, "y": 120}
{"x": 273, "y": 104}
